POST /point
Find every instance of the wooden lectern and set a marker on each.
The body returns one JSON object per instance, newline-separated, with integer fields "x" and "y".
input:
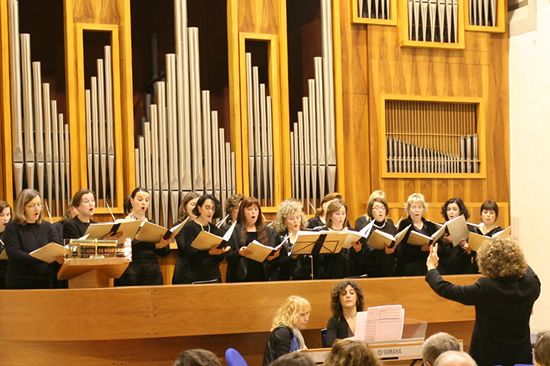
{"x": 92, "y": 272}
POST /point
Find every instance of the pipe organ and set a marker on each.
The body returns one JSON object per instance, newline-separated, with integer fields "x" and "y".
{"x": 383, "y": 105}
{"x": 40, "y": 141}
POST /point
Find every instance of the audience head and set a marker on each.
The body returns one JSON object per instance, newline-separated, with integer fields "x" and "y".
{"x": 436, "y": 344}
{"x": 28, "y": 208}
{"x": 321, "y": 211}
{"x": 290, "y": 215}
{"x": 232, "y": 205}
{"x": 489, "y": 212}
{"x": 250, "y": 210}
{"x": 455, "y": 358}
{"x": 294, "y": 313}
{"x": 454, "y": 207}
{"x": 542, "y": 349}
{"x": 337, "y": 214}
{"x": 377, "y": 208}
{"x": 342, "y": 292}
{"x": 293, "y": 359}
{"x": 346, "y": 352}
{"x": 208, "y": 207}
{"x": 5, "y": 214}
{"x": 501, "y": 257}
{"x": 187, "y": 205}
{"x": 197, "y": 357}
{"x": 416, "y": 204}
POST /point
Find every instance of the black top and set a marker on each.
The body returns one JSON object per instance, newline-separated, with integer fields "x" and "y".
{"x": 193, "y": 264}
{"x": 3, "y": 265}
{"x": 278, "y": 344}
{"x": 241, "y": 269}
{"x": 23, "y": 270}
{"x": 315, "y": 223}
{"x": 144, "y": 270}
{"x": 411, "y": 260}
{"x": 337, "y": 329}
{"x": 501, "y": 333}
{"x": 370, "y": 261}
{"x": 289, "y": 268}
{"x": 74, "y": 228}
{"x": 331, "y": 266}
{"x": 454, "y": 259}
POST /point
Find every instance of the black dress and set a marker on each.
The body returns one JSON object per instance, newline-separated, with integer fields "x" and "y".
{"x": 288, "y": 268}
{"x": 242, "y": 269}
{"x": 411, "y": 260}
{"x": 454, "y": 259}
{"x": 24, "y": 271}
{"x": 3, "y": 266}
{"x": 74, "y": 228}
{"x": 370, "y": 261}
{"x": 144, "y": 269}
{"x": 337, "y": 329}
{"x": 503, "y": 306}
{"x": 193, "y": 264}
{"x": 331, "y": 266}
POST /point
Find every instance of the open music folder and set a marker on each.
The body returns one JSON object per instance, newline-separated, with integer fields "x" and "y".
{"x": 152, "y": 233}
{"x": 379, "y": 239}
{"x": 48, "y": 252}
{"x": 419, "y": 239}
{"x": 380, "y": 323}
{"x": 207, "y": 241}
{"x": 129, "y": 229}
{"x": 475, "y": 240}
{"x": 260, "y": 252}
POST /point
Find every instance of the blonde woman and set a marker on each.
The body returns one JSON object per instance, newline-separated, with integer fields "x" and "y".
{"x": 286, "y": 336}
{"x": 411, "y": 259}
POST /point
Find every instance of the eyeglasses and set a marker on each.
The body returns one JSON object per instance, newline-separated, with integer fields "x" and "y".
{"x": 33, "y": 207}
{"x": 379, "y": 208}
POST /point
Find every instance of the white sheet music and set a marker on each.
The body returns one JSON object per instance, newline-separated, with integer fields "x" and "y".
{"x": 380, "y": 323}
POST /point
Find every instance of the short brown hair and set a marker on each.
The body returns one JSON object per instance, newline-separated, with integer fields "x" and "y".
{"x": 346, "y": 352}
{"x": 501, "y": 257}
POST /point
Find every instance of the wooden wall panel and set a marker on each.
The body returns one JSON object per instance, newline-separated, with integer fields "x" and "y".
{"x": 260, "y": 16}
{"x": 150, "y": 325}
{"x": 478, "y": 71}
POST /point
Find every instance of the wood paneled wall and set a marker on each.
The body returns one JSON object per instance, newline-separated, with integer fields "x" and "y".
{"x": 151, "y": 325}
{"x": 373, "y": 64}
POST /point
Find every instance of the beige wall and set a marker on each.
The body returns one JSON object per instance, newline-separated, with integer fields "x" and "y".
{"x": 529, "y": 57}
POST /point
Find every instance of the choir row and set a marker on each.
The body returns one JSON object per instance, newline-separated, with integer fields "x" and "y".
{"x": 28, "y": 232}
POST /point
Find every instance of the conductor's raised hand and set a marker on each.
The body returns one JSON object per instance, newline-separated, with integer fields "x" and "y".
{"x": 433, "y": 258}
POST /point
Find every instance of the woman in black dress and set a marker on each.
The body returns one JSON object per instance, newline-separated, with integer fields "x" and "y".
{"x": 199, "y": 265}
{"x": 250, "y": 227}
{"x": 373, "y": 262}
{"x": 489, "y": 216}
{"x": 24, "y": 234}
{"x": 346, "y": 299}
{"x": 503, "y": 300}
{"x": 319, "y": 220}
{"x": 144, "y": 270}
{"x": 457, "y": 259}
{"x": 411, "y": 259}
{"x": 5, "y": 217}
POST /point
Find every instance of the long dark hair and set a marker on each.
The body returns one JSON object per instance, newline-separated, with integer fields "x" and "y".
{"x": 260, "y": 227}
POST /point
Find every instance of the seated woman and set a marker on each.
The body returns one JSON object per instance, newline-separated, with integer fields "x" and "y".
{"x": 250, "y": 227}
{"x": 489, "y": 216}
{"x": 24, "y": 234}
{"x": 455, "y": 259}
{"x": 194, "y": 264}
{"x": 290, "y": 220}
{"x": 286, "y": 336}
{"x": 347, "y": 352}
{"x": 346, "y": 299}
{"x": 319, "y": 220}
{"x": 411, "y": 259}
{"x": 503, "y": 298}
{"x": 375, "y": 263}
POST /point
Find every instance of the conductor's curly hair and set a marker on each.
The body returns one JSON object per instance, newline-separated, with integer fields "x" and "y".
{"x": 501, "y": 258}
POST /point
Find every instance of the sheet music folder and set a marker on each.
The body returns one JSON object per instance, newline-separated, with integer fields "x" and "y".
{"x": 318, "y": 242}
